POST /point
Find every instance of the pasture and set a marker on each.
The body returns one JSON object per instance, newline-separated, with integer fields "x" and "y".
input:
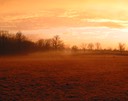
{"x": 58, "y": 77}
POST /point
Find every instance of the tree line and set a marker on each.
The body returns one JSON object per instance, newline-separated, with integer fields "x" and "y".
{"x": 20, "y": 44}
{"x": 97, "y": 48}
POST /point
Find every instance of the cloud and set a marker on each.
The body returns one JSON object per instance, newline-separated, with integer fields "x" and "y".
{"x": 111, "y": 25}
{"x": 57, "y": 18}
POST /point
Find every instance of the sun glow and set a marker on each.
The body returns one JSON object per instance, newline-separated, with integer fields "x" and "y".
{"x": 81, "y": 20}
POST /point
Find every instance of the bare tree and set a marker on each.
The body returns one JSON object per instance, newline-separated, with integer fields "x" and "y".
{"x": 13, "y": 44}
{"x": 121, "y": 47}
{"x": 57, "y": 43}
{"x": 90, "y": 46}
{"x": 48, "y": 44}
{"x": 41, "y": 43}
{"x": 84, "y": 46}
{"x": 3, "y": 40}
{"x": 20, "y": 37}
{"x": 44, "y": 44}
{"x": 74, "y": 48}
{"x": 98, "y": 46}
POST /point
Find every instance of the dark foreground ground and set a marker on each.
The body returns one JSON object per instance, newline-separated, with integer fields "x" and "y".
{"x": 64, "y": 78}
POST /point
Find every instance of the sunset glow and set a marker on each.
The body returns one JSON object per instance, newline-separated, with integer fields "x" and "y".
{"x": 63, "y": 50}
{"x": 75, "y": 21}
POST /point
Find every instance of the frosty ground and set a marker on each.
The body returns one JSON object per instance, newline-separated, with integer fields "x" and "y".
{"x": 53, "y": 77}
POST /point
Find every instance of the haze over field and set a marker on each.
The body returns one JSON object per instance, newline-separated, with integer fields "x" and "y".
{"x": 39, "y": 77}
{"x": 76, "y": 21}
{"x": 63, "y": 50}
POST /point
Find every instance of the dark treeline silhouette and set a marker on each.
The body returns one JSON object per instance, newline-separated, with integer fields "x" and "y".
{"x": 18, "y": 44}
{"x": 96, "y": 48}
{"x": 50, "y": 44}
{"x": 14, "y": 44}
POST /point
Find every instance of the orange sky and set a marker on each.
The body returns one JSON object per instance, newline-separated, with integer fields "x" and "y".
{"x": 76, "y": 21}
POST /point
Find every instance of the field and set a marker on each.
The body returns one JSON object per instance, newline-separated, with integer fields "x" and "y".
{"x": 51, "y": 77}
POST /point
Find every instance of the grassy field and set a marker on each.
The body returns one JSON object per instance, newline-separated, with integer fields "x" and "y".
{"x": 51, "y": 77}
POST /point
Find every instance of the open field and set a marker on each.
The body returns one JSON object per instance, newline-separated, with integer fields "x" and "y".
{"x": 64, "y": 78}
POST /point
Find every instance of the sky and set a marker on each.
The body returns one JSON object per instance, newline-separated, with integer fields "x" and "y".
{"x": 75, "y": 21}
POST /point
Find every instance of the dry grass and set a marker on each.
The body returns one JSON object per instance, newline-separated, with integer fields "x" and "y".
{"x": 51, "y": 77}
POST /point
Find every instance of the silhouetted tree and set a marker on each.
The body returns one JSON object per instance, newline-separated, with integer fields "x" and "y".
{"x": 74, "y": 48}
{"x": 84, "y": 47}
{"x": 20, "y": 38}
{"x": 90, "y": 46}
{"x": 48, "y": 44}
{"x": 40, "y": 43}
{"x": 121, "y": 47}
{"x": 4, "y": 40}
{"x": 98, "y": 46}
{"x": 44, "y": 44}
{"x": 13, "y": 44}
{"x": 57, "y": 43}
